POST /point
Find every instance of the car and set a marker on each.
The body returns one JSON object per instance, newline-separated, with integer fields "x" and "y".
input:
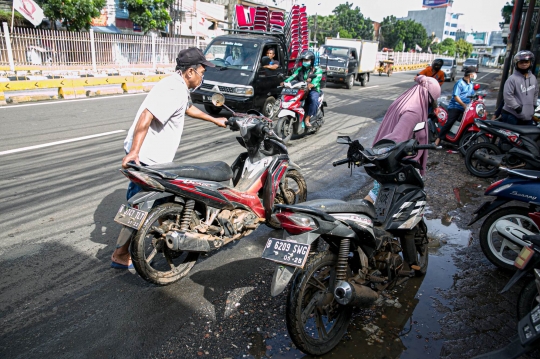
{"x": 471, "y": 62}
{"x": 449, "y": 68}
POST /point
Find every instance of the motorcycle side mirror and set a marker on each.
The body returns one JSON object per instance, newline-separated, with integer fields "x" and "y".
{"x": 476, "y": 87}
{"x": 312, "y": 76}
{"x": 419, "y": 126}
{"x": 218, "y": 99}
{"x": 281, "y": 77}
{"x": 343, "y": 140}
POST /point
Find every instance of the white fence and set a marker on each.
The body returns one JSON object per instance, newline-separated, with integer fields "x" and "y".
{"x": 52, "y": 49}
{"x": 409, "y": 58}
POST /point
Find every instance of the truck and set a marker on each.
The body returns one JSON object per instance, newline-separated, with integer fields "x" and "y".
{"x": 348, "y": 60}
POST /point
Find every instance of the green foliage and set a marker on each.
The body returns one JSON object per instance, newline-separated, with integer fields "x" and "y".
{"x": 447, "y": 47}
{"x": 463, "y": 48}
{"x": 506, "y": 13}
{"x": 353, "y": 21}
{"x": 149, "y": 14}
{"x": 20, "y": 21}
{"x": 395, "y": 32}
{"x": 344, "y": 34}
{"x": 75, "y": 15}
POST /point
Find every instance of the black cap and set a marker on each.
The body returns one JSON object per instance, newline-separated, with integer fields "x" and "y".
{"x": 469, "y": 70}
{"x": 192, "y": 56}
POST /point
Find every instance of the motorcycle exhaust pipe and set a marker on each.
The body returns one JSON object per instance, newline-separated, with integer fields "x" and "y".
{"x": 350, "y": 293}
{"x": 187, "y": 242}
{"x": 482, "y": 157}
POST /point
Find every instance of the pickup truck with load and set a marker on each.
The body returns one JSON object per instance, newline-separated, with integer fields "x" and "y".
{"x": 348, "y": 60}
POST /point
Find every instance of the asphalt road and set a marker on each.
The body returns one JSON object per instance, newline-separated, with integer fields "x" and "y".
{"x": 60, "y": 189}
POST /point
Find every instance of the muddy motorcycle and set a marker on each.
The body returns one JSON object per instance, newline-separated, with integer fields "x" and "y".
{"x": 527, "y": 339}
{"x": 291, "y": 114}
{"x": 502, "y": 231}
{"x": 462, "y": 131}
{"x": 369, "y": 247}
{"x": 510, "y": 146}
{"x": 188, "y": 209}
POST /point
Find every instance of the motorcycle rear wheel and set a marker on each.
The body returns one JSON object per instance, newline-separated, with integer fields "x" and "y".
{"x": 315, "y": 321}
{"x": 151, "y": 257}
{"x": 285, "y": 128}
{"x": 527, "y": 299}
{"x": 493, "y": 245}
{"x": 475, "y": 166}
{"x": 416, "y": 251}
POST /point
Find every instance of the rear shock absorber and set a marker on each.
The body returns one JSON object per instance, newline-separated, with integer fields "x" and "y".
{"x": 186, "y": 217}
{"x": 341, "y": 267}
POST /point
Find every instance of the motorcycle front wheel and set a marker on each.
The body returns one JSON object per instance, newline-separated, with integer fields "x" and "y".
{"x": 315, "y": 321}
{"x": 475, "y": 166}
{"x": 294, "y": 190}
{"x": 465, "y": 141}
{"x": 499, "y": 250}
{"x": 151, "y": 257}
{"x": 285, "y": 128}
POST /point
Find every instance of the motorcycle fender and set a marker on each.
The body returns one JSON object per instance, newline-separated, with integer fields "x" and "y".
{"x": 284, "y": 113}
{"x": 521, "y": 272}
{"x": 283, "y": 274}
{"x": 431, "y": 126}
{"x": 473, "y": 128}
{"x": 145, "y": 200}
{"x": 486, "y": 208}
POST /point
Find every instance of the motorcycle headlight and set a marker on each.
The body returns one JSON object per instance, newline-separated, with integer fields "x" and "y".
{"x": 286, "y": 104}
{"x": 480, "y": 110}
{"x": 248, "y": 91}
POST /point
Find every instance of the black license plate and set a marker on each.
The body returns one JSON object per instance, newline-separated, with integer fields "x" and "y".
{"x": 130, "y": 217}
{"x": 287, "y": 252}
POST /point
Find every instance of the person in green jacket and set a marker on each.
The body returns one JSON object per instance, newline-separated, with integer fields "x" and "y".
{"x": 302, "y": 73}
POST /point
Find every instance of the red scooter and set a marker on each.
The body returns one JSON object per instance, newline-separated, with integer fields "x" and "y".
{"x": 290, "y": 118}
{"x": 463, "y": 129}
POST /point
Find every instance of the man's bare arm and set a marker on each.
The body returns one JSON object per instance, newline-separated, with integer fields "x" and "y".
{"x": 143, "y": 123}
{"x": 196, "y": 113}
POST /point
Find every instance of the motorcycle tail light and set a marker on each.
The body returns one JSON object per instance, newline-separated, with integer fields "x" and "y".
{"x": 493, "y": 185}
{"x": 524, "y": 257}
{"x": 143, "y": 180}
{"x": 295, "y": 223}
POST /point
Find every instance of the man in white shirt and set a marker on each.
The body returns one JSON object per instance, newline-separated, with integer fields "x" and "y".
{"x": 156, "y": 131}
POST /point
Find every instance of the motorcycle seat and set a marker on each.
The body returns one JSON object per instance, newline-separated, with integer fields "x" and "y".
{"x": 211, "y": 171}
{"x": 360, "y": 206}
{"x": 524, "y": 130}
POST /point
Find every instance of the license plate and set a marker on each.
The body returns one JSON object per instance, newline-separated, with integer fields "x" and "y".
{"x": 207, "y": 98}
{"x": 130, "y": 217}
{"x": 287, "y": 252}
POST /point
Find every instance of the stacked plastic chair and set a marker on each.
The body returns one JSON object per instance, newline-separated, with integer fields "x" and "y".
{"x": 292, "y": 33}
{"x": 304, "y": 30}
{"x": 276, "y": 21}
{"x": 241, "y": 20}
{"x": 261, "y": 18}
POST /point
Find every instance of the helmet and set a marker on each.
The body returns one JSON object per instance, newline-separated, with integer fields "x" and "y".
{"x": 437, "y": 63}
{"x": 523, "y": 55}
{"x": 307, "y": 55}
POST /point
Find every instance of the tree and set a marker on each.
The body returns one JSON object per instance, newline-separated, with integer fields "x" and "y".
{"x": 149, "y": 14}
{"x": 353, "y": 22}
{"x": 394, "y": 33}
{"x": 463, "y": 48}
{"x": 506, "y": 13}
{"x": 447, "y": 47}
{"x": 75, "y": 15}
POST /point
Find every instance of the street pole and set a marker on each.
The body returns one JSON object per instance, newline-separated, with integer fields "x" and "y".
{"x": 527, "y": 25}
{"x": 516, "y": 19}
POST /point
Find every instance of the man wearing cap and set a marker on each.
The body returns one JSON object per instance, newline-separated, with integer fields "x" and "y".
{"x": 459, "y": 102}
{"x": 156, "y": 131}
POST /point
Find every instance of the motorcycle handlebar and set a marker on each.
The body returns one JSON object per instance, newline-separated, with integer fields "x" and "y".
{"x": 425, "y": 147}
{"x": 341, "y": 162}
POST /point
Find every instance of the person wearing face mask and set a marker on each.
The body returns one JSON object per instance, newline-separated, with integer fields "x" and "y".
{"x": 434, "y": 71}
{"x": 302, "y": 73}
{"x": 520, "y": 91}
{"x": 155, "y": 134}
{"x": 459, "y": 102}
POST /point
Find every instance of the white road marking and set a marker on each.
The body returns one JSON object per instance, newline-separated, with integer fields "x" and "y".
{"x": 59, "y": 142}
{"x": 489, "y": 73}
{"x": 365, "y": 88}
{"x": 57, "y": 102}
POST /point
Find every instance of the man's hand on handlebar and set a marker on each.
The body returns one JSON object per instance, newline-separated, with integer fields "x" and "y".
{"x": 220, "y": 121}
{"x": 310, "y": 86}
{"x": 281, "y": 84}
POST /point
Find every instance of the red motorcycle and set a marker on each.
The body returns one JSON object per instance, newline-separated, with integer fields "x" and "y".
{"x": 188, "y": 209}
{"x": 290, "y": 118}
{"x": 463, "y": 129}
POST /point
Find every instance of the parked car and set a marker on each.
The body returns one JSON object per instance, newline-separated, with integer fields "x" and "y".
{"x": 449, "y": 68}
{"x": 471, "y": 62}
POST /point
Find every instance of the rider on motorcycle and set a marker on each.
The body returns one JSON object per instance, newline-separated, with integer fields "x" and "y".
{"x": 434, "y": 71}
{"x": 302, "y": 73}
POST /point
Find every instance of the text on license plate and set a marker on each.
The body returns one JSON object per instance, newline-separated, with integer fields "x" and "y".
{"x": 286, "y": 252}
{"x": 130, "y": 217}
{"x": 207, "y": 98}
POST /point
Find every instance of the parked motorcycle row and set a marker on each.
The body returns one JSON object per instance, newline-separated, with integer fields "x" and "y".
{"x": 334, "y": 255}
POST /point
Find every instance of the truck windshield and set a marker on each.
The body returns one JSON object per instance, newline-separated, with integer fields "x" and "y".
{"x": 328, "y": 51}
{"x": 237, "y": 54}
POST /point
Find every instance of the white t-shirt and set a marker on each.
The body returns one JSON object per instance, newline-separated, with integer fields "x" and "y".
{"x": 167, "y": 101}
{"x": 232, "y": 61}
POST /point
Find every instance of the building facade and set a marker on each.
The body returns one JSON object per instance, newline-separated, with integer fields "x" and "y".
{"x": 440, "y": 22}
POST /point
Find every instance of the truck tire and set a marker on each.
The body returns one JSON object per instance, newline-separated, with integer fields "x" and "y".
{"x": 350, "y": 82}
{"x": 212, "y": 110}
{"x": 362, "y": 80}
{"x": 268, "y": 108}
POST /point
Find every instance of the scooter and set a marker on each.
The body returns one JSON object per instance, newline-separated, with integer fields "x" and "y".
{"x": 369, "y": 247}
{"x": 464, "y": 128}
{"x": 188, "y": 209}
{"x": 290, "y": 118}
{"x": 501, "y": 234}
{"x": 510, "y": 145}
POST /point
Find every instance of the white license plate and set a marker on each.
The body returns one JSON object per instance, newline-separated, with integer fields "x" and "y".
{"x": 287, "y": 252}
{"x": 207, "y": 98}
{"x": 130, "y": 217}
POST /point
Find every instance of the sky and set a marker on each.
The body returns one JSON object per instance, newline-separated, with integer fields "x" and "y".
{"x": 478, "y": 15}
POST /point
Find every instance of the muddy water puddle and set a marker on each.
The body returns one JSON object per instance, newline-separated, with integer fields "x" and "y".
{"x": 405, "y": 323}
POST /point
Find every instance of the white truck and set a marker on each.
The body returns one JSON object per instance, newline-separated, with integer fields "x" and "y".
{"x": 348, "y": 60}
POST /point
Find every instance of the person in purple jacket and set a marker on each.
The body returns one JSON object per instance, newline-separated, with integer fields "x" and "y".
{"x": 520, "y": 91}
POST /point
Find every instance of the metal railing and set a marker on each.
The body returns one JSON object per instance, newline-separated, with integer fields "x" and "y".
{"x": 57, "y": 50}
{"x": 409, "y": 58}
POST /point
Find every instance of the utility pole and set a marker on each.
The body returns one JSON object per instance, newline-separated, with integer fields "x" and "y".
{"x": 527, "y": 25}
{"x": 512, "y": 44}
